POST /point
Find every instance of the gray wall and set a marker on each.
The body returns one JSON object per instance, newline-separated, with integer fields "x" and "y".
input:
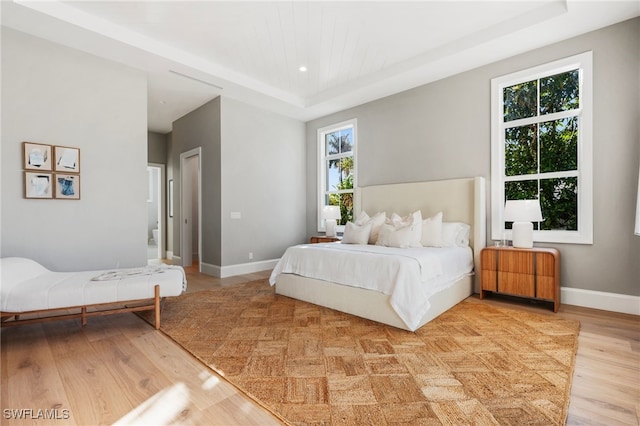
{"x": 60, "y": 96}
{"x": 252, "y": 163}
{"x": 263, "y": 178}
{"x": 200, "y": 128}
{"x": 442, "y": 130}
{"x": 157, "y": 148}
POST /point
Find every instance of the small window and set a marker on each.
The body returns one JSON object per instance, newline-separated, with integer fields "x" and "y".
{"x": 337, "y": 170}
{"x": 541, "y": 148}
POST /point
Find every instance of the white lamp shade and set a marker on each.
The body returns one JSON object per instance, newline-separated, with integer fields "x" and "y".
{"x": 522, "y": 213}
{"x": 331, "y": 212}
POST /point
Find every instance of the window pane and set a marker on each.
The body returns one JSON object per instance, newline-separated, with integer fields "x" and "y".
{"x": 559, "y": 203}
{"x": 559, "y": 145}
{"x": 339, "y": 142}
{"x": 332, "y": 143}
{"x": 346, "y": 137}
{"x": 339, "y": 174}
{"x": 333, "y": 175}
{"x": 521, "y": 151}
{"x": 560, "y": 92}
{"x": 520, "y": 101}
{"x": 346, "y": 208}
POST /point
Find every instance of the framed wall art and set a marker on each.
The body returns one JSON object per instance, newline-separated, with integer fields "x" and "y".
{"x": 67, "y": 159}
{"x": 38, "y": 185}
{"x": 67, "y": 186}
{"x": 36, "y": 156}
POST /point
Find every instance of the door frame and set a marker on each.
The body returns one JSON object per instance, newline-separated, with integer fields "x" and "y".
{"x": 185, "y": 185}
{"x": 162, "y": 214}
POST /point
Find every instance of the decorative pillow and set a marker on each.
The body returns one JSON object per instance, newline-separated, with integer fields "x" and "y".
{"x": 414, "y": 220}
{"x": 362, "y": 218}
{"x": 432, "y": 231}
{"x": 19, "y": 269}
{"x": 376, "y": 222}
{"x": 455, "y": 234}
{"x": 392, "y": 236}
{"x": 354, "y": 234}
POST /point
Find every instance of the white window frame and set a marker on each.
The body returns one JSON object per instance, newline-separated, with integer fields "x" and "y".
{"x": 322, "y": 158}
{"x": 584, "y": 234}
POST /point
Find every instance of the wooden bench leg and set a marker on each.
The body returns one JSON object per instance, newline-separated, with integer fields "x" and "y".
{"x": 84, "y": 316}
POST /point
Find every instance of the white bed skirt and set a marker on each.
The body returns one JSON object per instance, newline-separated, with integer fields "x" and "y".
{"x": 366, "y": 303}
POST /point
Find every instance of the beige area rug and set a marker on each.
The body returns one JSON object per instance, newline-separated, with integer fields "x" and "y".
{"x": 475, "y": 364}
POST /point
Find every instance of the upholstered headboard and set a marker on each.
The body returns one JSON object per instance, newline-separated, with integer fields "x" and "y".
{"x": 460, "y": 200}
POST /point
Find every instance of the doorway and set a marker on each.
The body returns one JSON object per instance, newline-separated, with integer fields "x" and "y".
{"x": 155, "y": 213}
{"x": 190, "y": 208}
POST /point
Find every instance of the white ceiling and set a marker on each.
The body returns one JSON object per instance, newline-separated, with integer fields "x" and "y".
{"x": 355, "y": 52}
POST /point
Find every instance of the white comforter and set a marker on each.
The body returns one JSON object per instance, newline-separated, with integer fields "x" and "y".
{"x": 409, "y": 275}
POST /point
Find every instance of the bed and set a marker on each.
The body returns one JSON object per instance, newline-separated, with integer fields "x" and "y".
{"x": 459, "y": 200}
{"x": 31, "y": 293}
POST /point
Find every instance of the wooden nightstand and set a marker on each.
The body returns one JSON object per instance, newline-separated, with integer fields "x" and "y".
{"x": 323, "y": 239}
{"x": 532, "y": 273}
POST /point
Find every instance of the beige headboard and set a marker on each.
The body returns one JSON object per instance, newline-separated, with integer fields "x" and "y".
{"x": 460, "y": 200}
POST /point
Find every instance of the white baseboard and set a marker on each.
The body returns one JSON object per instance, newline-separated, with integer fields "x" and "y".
{"x": 239, "y": 269}
{"x": 614, "y": 302}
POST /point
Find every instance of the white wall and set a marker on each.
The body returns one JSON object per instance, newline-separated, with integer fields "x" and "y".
{"x": 60, "y": 96}
{"x": 263, "y": 179}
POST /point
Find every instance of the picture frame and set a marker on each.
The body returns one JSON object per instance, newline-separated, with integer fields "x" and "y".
{"x": 38, "y": 185}
{"x": 171, "y": 198}
{"x": 67, "y": 159}
{"x": 37, "y": 156}
{"x": 67, "y": 186}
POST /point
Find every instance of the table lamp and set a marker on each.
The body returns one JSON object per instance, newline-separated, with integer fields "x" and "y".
{"x": 522, "y": 213}
{"x": 330, "y": 214}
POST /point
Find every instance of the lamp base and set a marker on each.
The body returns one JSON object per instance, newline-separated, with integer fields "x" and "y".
{"x": 522, "y": 234}
{"x": 330, "y": 227}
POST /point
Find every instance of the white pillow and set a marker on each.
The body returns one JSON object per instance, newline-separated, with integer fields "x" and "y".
{"x": 354, "y": 234}
{"x": 432, "y": 231}
{"x": 19, "y": 269}
{"x": 392, "y": 236}
{"x": 376, "y": 222}
{"x": 455, "y": 234}
{"x": 414, "y": 221}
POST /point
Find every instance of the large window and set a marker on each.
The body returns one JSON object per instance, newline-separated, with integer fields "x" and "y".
{"x": 541, "y": 148}
{"x": 337, "y": 170}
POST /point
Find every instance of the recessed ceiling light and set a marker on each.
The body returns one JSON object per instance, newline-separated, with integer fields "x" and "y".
{"x": 302, "y": 69}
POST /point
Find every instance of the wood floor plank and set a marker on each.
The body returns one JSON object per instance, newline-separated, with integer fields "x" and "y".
{"x": 30, "y": 377}
{"x": 93, "y": 391}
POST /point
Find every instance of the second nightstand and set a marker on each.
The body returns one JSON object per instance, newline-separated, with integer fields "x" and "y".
{"x": 533, "y": 273}
{"x": 323, "y": 239}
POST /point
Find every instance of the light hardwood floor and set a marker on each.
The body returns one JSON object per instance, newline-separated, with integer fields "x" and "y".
{"x": 100, "y": 373}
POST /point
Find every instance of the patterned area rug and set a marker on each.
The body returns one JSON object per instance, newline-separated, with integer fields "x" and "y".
{"x": 475, "y": 364}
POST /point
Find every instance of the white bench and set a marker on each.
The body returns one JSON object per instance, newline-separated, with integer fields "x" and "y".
{"x": 29, "y": 288}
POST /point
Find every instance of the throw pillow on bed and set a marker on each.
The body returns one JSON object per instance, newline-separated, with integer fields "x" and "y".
{"x": 455, "y": 234}
{"x": 392, "y": 236}
{"x": 432, "y": 231}
{"x": 414, "y": 220}
{"x": 354, "y": 234}
{"x": 376, "y": 222}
